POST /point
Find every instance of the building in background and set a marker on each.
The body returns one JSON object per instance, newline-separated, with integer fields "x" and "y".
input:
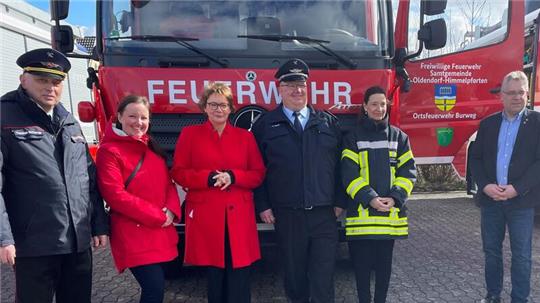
{"x": 24, "y": 27}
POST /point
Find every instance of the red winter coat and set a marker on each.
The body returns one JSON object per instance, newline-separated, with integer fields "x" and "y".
{"x": 200, "y": 151}
{"x": 137, "y": 237}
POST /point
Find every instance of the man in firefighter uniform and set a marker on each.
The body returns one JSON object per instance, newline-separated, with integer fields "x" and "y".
{"x": 505, "y": 164}
{"x": 53, "y": 210}
{"x": 378, "y": 173}
{"x": 301, "y": 149}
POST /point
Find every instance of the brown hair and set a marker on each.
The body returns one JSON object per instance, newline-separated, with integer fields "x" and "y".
{"x": 129, "y": 99}
{"x": 216, "y": 88}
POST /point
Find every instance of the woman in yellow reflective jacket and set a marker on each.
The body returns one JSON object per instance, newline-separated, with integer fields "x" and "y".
{"x": 378, "y": 173}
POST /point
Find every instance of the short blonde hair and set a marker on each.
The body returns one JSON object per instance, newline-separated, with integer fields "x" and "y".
{"x": 216, "y": 88}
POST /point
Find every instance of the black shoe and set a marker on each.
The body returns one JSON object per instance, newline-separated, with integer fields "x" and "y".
{"x": 490, "y": 299}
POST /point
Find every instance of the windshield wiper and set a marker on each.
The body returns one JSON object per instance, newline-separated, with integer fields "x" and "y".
{"x": 180, "y": 40}
{"x": 307, "y": 41}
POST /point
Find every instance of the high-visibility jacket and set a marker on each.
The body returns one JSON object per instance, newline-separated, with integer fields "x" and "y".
{"x": 377, "y": 162}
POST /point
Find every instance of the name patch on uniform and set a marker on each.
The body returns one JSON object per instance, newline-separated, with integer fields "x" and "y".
{"x": 28, "y": 134}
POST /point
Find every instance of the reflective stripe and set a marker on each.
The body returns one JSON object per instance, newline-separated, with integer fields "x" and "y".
{"x": 364, "y": 231}
{"x": 364, "y": 165}
{"x": 404, "y": 158}
{"x": 349, "y": 154}
{"x": 376, "y": 221}
{"x": 392, "y": 154}
{"x": 404, "y": 183}
{"x": 356, "y": 185}
{"x": 365, "y": 224}
{"x": 376, "y": 144}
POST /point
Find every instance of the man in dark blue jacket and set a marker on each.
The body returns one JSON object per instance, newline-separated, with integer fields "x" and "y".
{"x": 301, "y": 150}
{"x": 54, "y": 210}
{"x": 505, "y": 163}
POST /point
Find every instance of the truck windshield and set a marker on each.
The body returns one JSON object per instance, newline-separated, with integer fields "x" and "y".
{"x": 232, "y": 29}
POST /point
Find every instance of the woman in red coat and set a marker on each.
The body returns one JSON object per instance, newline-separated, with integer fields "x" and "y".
{"x": 143, "y": 201}
{"x": 219, "y": 165}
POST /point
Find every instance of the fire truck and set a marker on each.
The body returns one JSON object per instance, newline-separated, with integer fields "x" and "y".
{"x": 441, "y": 81}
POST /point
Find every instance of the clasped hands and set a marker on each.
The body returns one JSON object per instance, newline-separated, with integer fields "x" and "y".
{"x": 223, "y": 179}
{"x": 383, "y": 204}
{"x": 500, "y": 192}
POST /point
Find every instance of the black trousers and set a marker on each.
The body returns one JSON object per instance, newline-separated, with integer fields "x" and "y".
{"x": 367, "y": 256}
{"x": 308, "y": 241}
{"x": 69, "y": 276}
{"x": 151, "y": 278}
{"x": 228, "y": 285}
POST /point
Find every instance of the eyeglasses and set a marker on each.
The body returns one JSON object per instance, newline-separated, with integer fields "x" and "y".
{"x": 513, "y": 93}
{"x": 300, "y": 85}
{"x": 215, "y": 106}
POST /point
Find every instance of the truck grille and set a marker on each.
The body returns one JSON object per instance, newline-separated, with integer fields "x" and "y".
{"x": 165, "y": 129}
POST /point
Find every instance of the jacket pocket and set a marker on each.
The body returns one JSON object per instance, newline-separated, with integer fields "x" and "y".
{"x": 275, "y": 133}
{"x": 327, "y": 138}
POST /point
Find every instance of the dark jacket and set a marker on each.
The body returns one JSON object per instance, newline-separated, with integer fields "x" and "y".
{"x": 377, "y": 162}
{"x": 302, "y": 171}
{"x": 6, "y": 237}
{"x": 49, "y": 188}
{"x": 524, "y": 169}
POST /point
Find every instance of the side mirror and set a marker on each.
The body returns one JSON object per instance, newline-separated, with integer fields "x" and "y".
{"x": 62, "y": 38}
{"x": 433, "y": 7}
{"x": 59, "y": 9}
{"x": 433, "y": 34}
{"x": 125, "y": 21}
{"x": 87, "y": 111}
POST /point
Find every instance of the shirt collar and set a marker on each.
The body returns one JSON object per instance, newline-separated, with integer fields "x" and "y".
{"x": 289, "y": 113}
{"x": 517, "y": 117}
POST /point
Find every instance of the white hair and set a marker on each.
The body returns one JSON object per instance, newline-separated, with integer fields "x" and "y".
{"x": 515, "y": 76}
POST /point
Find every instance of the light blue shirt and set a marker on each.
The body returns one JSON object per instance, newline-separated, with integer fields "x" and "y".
{"x": 505, "y": 145}
{"x": 303, "y": 117}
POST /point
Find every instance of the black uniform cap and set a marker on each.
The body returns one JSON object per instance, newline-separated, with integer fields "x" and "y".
{"x": 45, "y": 62}
{"x": 292, "y": 70}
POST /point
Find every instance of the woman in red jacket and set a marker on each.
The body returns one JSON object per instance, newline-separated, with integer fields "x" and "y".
{"x": 134, "y": 181}
{"x": 219, "y": 165}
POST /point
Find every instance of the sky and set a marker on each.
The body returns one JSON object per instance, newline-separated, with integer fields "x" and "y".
{"x": 81, "y": 13}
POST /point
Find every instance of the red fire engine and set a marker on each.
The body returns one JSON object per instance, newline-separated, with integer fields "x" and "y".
{"x": 441, "y": 84}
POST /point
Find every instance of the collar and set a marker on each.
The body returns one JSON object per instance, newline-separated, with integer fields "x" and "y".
{"x": 518, "y": 116}
{"x": 372, "y": 125}
{"x": 208, "y": 125}
{"x": 278, "y": 115}
{"x": 49, "y": 113}
{"x": 115, "y": 134}
{"x": 289, "y": 113}
{"x": 32, "y": 109}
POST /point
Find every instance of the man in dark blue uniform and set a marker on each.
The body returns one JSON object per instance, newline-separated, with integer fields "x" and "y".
{"x": 49, "y": 195}
{"x": 301, "y": 150}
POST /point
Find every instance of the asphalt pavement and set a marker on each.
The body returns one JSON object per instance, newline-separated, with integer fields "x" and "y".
{"x": 442, "y": 261}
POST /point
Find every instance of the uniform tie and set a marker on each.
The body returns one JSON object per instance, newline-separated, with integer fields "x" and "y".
{"x": 297, "y": 125}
